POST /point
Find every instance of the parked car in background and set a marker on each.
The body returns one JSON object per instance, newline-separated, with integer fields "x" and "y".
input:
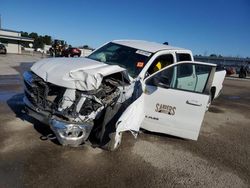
{"x": 2, "y": 49}
{"x": 71, "y": 52}
{"x": 230, "y": 71}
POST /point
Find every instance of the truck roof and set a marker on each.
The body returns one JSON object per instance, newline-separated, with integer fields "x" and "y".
{"x": 146, "y": 45}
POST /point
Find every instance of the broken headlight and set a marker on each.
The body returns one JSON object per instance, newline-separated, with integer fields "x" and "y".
{"x": 69, "y": 133}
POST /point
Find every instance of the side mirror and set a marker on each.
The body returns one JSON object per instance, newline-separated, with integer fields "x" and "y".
{"x": 159, "y": 81}
{"x": 163, "y": 85}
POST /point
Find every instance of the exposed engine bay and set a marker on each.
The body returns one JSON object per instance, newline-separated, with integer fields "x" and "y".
{"x": 71, "y": 113}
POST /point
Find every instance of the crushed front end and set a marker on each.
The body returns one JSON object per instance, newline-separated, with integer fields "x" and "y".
{"x": 70, "y": 113}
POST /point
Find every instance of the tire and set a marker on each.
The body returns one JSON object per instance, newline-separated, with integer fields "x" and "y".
{"x": 109, "y": 140}
{"x": 211, "y": 96}
{"x": 111, "y": 145}
{"x": 213, "y": 90}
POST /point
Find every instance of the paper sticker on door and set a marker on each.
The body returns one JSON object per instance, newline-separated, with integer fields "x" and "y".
{"x": 166, "y": 109}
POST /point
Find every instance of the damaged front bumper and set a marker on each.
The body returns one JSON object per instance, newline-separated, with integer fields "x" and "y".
{"x": 67, "y": 133}
{"x": 71, "y": 113}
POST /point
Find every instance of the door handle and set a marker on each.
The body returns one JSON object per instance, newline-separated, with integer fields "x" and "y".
{"x": 193, "y": 102}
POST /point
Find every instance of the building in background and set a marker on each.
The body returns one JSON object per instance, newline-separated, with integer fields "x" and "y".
{"x": 85, "y": 52}
{"x": 231, "y": 64}
{"x": 13, "y": 40}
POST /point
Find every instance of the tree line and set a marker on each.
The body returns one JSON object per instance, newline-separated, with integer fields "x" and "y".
{"x": 39, "y": 40}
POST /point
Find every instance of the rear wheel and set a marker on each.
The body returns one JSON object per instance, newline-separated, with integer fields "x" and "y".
{"x": 211, "y": 97}
{"x": 213, "y": 90}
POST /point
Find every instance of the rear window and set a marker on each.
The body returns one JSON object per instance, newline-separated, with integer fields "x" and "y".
{"x": 183, "y": 57}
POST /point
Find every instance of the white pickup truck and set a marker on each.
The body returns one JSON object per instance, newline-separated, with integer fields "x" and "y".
{"x": 122, "y": 86}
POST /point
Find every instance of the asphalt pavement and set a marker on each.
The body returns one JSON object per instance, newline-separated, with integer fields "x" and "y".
{"x": 220, "y": 157}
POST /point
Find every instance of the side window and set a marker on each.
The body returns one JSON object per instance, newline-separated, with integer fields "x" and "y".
{"x": 183, "y": 57}
{"x": 160, "y": 62}
{"x": 162, "y": 78}
{"x": 202, "y": 75}
{"x": 201, "y": 70}
{"x": 176, "y": 78}
{"x": 185, "y": 70}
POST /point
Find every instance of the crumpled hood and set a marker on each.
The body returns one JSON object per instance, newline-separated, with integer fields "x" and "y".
{"x": 75, "y": 73}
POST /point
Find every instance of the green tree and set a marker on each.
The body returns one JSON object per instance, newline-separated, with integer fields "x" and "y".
{"x": 24, "y": 34}
{"x": 213, "y": 55}
{"x": 38, "y": 42}
{"x": 33, "y": 35}
{"x": 85, "y": 47}
{"x": 47, "y": 40}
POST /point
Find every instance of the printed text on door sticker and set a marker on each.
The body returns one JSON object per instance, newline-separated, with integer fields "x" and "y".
{"x": 167, "y": 109}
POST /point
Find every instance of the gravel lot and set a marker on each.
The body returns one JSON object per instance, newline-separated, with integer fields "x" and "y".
{"x": 220, "y": 157}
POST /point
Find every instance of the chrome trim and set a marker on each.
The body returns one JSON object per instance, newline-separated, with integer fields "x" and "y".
{"x": 70, "y": 134}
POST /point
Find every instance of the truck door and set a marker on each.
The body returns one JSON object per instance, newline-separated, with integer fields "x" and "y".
{"x": 174, "y": 106}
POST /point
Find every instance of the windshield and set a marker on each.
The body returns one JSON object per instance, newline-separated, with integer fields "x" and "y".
{"x": 129, "y": 58}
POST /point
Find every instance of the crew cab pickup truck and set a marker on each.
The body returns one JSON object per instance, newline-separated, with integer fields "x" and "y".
{"x": 122, "y": 86}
